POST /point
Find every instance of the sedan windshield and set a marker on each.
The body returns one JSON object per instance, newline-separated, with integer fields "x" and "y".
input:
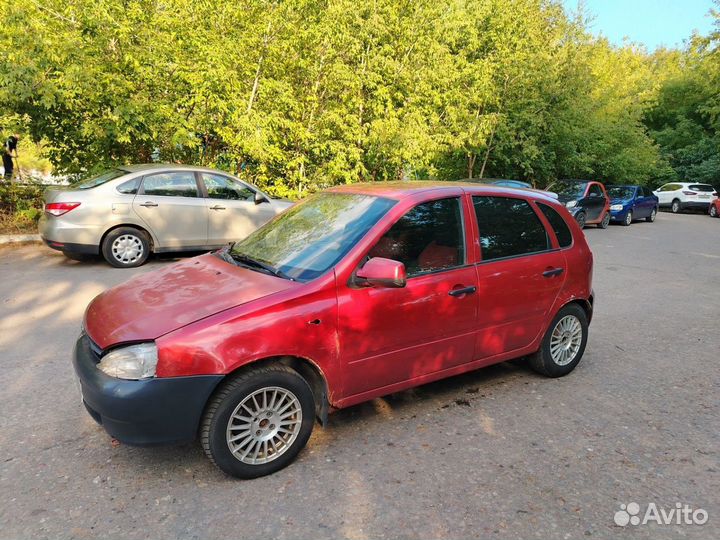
{"x": 568, "y": 188}
{"x": 99, "y": 179}
{"x": 621, "y": 192}
{"x": 311, "y": 237}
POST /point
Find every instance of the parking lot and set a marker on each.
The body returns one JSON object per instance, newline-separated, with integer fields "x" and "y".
{"x": 500, "y": 452}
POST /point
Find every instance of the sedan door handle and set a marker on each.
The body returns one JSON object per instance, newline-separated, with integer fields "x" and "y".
{"x": 553, "y": 272}
{"x": 147, "y": 204}
{"x": 463, "y": 291}
{"x": 217, "y": 207}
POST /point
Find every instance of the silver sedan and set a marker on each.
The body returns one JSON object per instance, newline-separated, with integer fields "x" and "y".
{"x": 128, "y": 212}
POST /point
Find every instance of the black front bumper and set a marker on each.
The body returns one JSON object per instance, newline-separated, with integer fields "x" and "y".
{"x": 142, "y": 413}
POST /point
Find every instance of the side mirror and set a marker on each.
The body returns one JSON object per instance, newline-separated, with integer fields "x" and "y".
{"x": 382, "y": 272}
{"x": 260, "y": 198}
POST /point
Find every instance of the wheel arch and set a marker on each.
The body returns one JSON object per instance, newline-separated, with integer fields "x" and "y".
{"x": 134, "y": 226}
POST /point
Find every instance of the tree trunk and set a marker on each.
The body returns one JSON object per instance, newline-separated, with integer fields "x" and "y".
{"x": 471, "y": 157}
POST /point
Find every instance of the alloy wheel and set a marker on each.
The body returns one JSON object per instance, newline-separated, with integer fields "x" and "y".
{"x": 565, "y": 340}
{"x": 264, "y": 425}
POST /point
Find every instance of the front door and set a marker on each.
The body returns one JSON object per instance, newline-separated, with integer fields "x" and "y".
{"x": 519, "y": 276}
{"x": 232, "y": 210}
{"x": 594, "y": 202}
{"x": 171, "y": 206}
{"x": 390, "y": 335}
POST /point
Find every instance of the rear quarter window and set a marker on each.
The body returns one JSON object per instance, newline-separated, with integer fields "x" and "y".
{"x": 562, "y": 231}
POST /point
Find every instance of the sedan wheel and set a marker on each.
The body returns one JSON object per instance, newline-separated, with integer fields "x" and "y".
{"x": 652, "y": 216}
{"x": 628, "y": 218}
{"x": 126, "y": 247}
{"x": 258, "y": 421}
{"x": 563, "y": 344}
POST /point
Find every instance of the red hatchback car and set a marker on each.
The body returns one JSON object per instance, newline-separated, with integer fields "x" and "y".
{"x": 352, "y": 294}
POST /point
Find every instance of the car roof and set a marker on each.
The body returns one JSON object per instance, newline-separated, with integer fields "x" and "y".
{"x": 401, "y": 189}
{"x": 142, "y": 167}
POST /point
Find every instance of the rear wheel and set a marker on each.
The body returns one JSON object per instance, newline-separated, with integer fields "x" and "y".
{"x": 652, "y": 216}
{"x": 258, "y": 422}
{"x": 713, "y": 211}
{"x": 580, "y": 217}
{"x": 605, "y": 221}
{"x": 126, "y": 247}
{"x": 675, "y": 206}
{"x": 563, "y": 344}
{"x": 628, "y": 218}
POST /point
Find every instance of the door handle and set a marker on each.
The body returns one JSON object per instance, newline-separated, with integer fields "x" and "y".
{"x": 463, "y": 291}
{"x": 553, "y": 272}
{"x": 148, "y": 204}
{"x": 217, "y": 207}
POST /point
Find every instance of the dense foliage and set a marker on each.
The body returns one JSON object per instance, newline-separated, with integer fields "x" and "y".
{"x": 296, "y": 95}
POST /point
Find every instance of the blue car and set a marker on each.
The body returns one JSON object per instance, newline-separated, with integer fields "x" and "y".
{"x": 629, "y": 203}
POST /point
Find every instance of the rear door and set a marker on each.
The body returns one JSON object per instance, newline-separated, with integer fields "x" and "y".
{"x": 171, "y": 206}
{"x": 232, "y": 210}
{"x": 520, "y": 273}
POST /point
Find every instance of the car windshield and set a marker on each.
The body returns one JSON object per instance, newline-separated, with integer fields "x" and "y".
{"x": 311, "y": 237}
{"x": 99, "y": 179}
{"x": 568, "y": 188}
{"x": 621, "y": 192}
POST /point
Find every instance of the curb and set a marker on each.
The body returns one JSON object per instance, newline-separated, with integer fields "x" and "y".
{"x": 8, "y": 239}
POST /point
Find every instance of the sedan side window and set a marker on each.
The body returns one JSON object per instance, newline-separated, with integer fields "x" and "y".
{"x": 426, "y": 239}
{"x": 222, "y": 187}
{"x": 508, "y": 228}
{"x": 171, "y": 184}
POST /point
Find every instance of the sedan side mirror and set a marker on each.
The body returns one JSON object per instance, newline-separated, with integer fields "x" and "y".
{"x": 260, "y": 198}
{"x": 382, "y": 272}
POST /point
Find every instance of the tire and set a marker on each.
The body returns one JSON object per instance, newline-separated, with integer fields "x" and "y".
{"x": 652, "y": 216}
{"x": 126, "y": 247}
{"x": 675, "y": 207}
{"x": 249, "y": 393}
{"x": 559, "y": 365}
{"x": 713, "y": 211}
{"x": 581, "y": 218}
{"x": 605, "y": 221}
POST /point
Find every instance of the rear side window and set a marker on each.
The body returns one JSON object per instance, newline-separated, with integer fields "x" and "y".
{"x": 562, "y": 231}
{"x": 130, "y": 187}
{"x": 171, "y": 184}
{"x": 707, "y": 188}
{"x": 508, "y": 227}
{"x": 426, "y": 239}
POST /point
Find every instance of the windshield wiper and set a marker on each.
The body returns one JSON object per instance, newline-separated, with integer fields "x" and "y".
{"x": 247, "y": 260}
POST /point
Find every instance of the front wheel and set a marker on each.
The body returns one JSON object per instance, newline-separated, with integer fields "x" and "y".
{"x": 652, "y": 216}
{"x": 563, "y": 344}
{"x": 581, "y": 218}
{"x": 628, "y": 219}
{"x": 713, "y": 211}
{"x": 258, "y": 422}
{"x": 605, "y": 221}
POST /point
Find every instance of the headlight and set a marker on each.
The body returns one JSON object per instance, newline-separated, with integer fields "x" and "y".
{"x": 571, "y": 204}
{"x": 131, "y": 362}
{"x": 616, "y": 207}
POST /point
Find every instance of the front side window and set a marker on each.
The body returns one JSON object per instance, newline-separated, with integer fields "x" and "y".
{"x": 222, "y": 187}
{"x": 426, "y": 239}
{"x": 562, "y": 231}
{"x": 508, "y": 228}
{"x": 595, "y": 191}
{"x": 171, "y": 184}
{"x": 311, "y": 237}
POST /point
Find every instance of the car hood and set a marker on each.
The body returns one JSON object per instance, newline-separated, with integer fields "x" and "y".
{"x": 157, "y": 302}
{"x": 620, "y": 201}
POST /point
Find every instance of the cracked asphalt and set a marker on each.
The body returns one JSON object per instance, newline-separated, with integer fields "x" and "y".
{"x": 497, "y": 453}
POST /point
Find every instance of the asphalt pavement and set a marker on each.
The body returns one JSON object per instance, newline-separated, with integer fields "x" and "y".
{"x": 497, "y": 453}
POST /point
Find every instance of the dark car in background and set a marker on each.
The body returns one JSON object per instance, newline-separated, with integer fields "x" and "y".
{"x": 629, "y": 203}
{"x": 586, "y": 200}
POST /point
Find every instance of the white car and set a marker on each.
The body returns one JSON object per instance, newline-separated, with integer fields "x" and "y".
{"x": 128, "y": 212}
{"x": 681, "y": 195}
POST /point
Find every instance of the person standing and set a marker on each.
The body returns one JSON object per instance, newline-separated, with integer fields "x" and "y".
{"x": 10, "y": 147}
